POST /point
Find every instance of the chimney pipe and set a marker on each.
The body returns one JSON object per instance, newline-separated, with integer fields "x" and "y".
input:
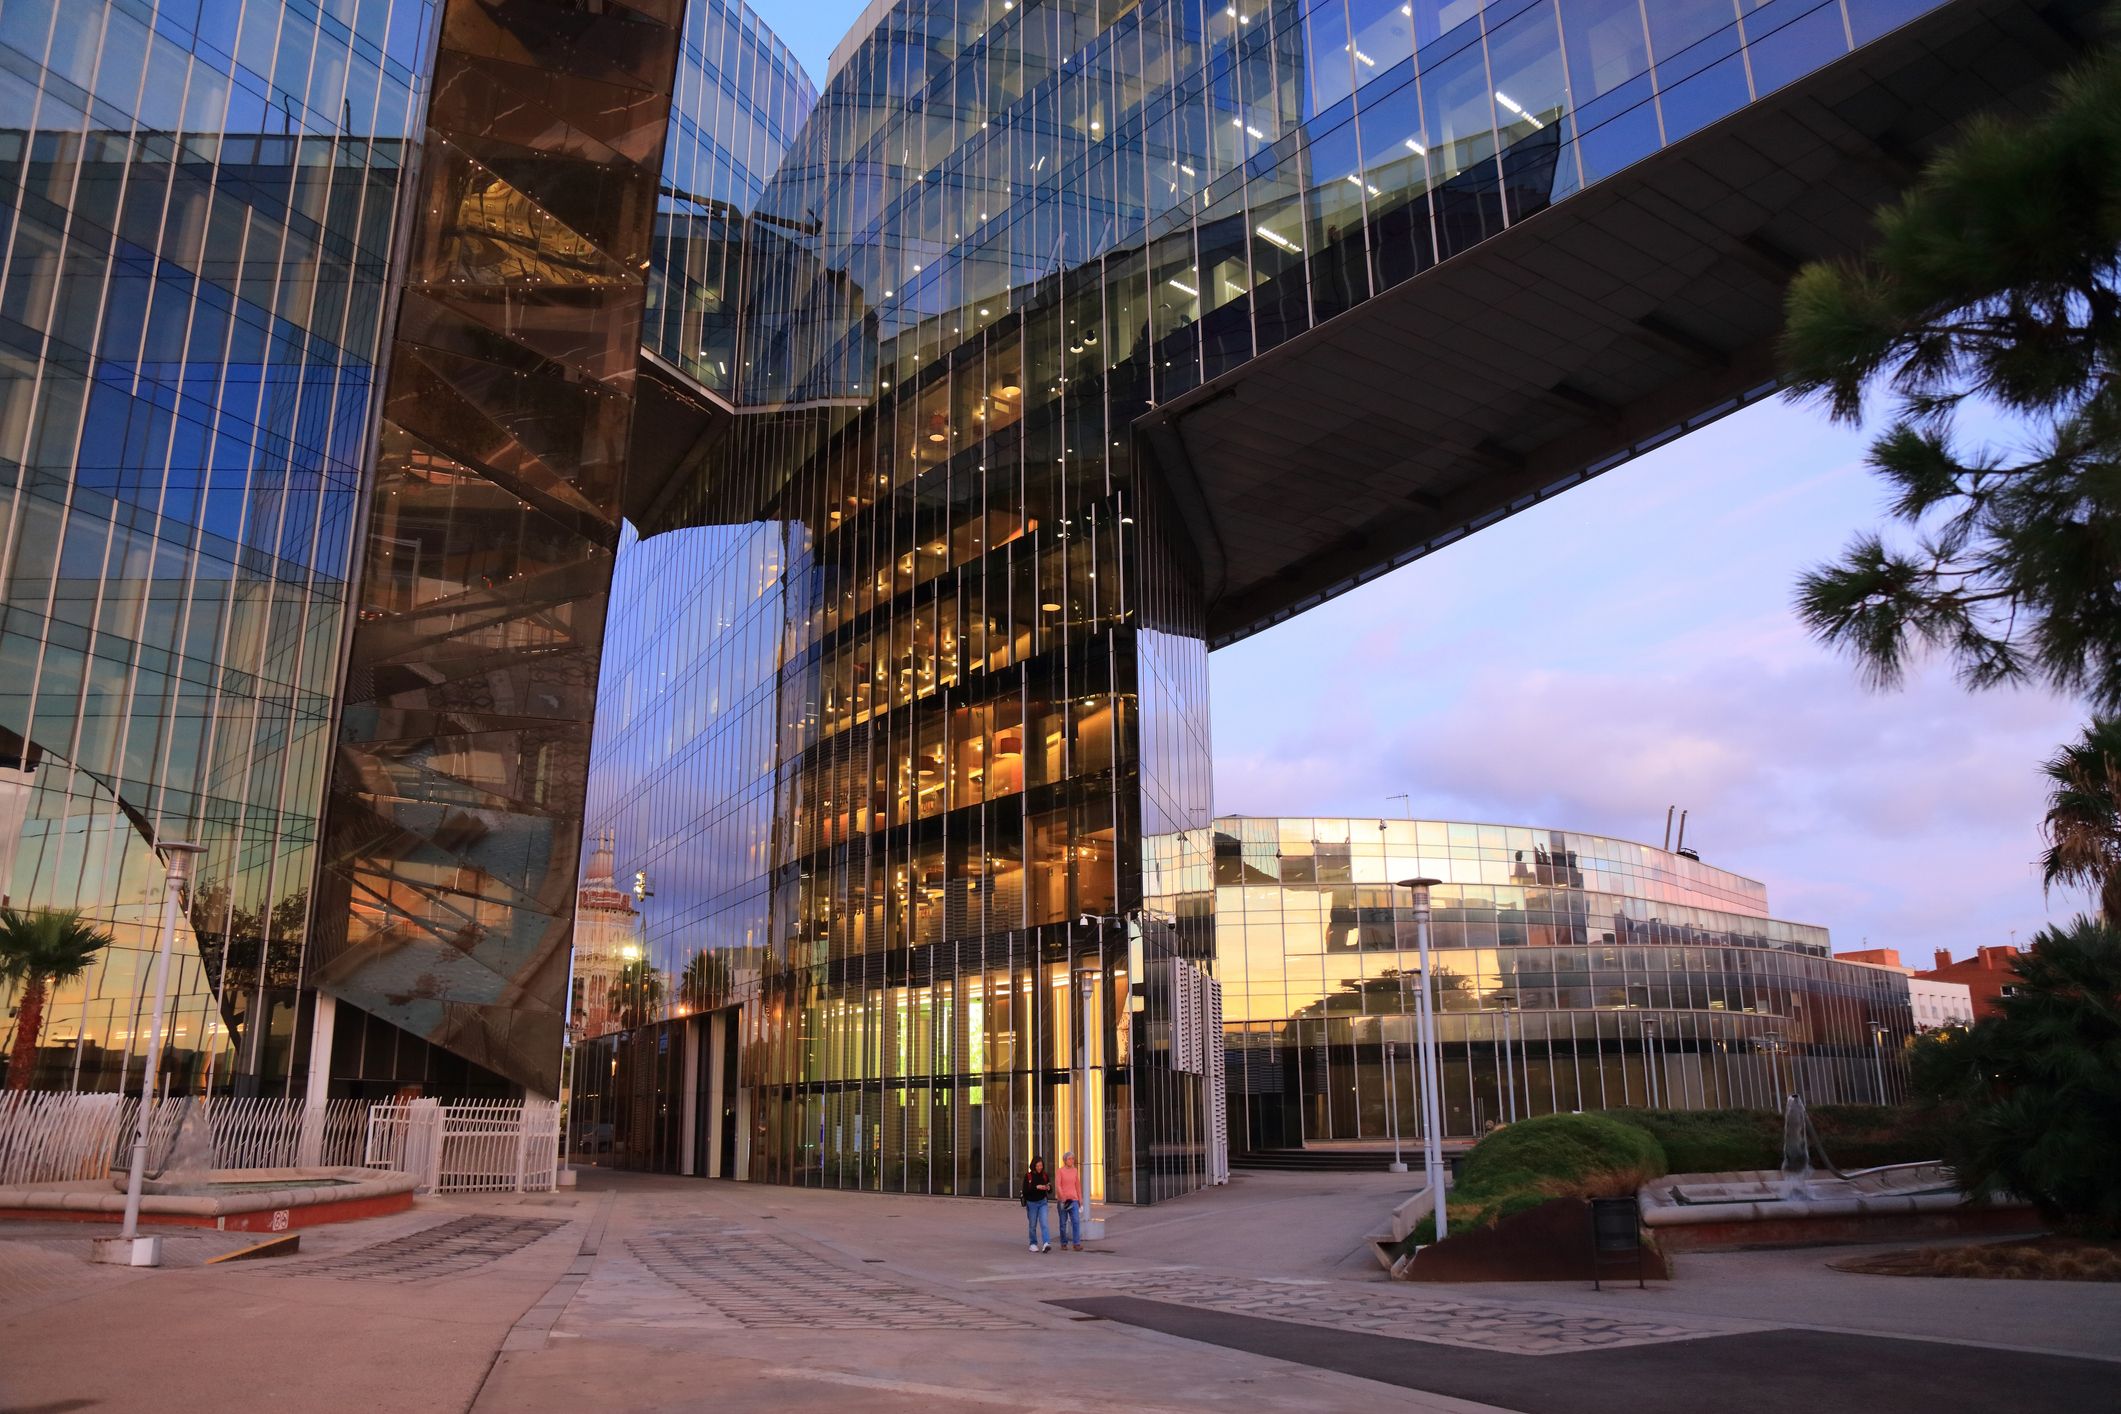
{"x": 1682, "y": 831}
{"x": 1668, "y": 826}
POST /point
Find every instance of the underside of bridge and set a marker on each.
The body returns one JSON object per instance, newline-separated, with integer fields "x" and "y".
{"x": 1589, "y": 333}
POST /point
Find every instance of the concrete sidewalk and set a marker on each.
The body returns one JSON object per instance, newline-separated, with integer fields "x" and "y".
{"x": 648, "y": 1293}
{"x": 398, "y": 1313}
{"x": 756, "y": 1298}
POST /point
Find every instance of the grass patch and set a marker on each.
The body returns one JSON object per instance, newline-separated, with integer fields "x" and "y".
{"x": 2041, "y": 1259}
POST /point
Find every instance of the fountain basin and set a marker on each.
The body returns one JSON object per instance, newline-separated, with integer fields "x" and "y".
{"x": 232, "y": 1200}
{"x": 1712, "y": 1212}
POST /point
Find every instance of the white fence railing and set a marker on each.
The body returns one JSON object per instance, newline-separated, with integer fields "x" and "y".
{"x": 493, "y": 1146}
{"x": 47, "y": 1137}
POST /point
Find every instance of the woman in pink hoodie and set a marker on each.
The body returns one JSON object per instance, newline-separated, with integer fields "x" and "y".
{"x": 1068, "y": 1188}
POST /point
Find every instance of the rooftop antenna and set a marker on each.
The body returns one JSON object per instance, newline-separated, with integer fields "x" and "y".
{"x": 1408, "y": 807}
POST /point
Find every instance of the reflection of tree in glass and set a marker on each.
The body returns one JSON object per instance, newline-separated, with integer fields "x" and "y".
{"x": 706, "y": 981}
{"x": 233, "y": 941}
{"x": 638, "y": 991}
{"x": 1388, "y": 993}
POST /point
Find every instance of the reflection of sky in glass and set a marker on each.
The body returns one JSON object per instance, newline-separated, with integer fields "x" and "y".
{"x": 195, "y": 278}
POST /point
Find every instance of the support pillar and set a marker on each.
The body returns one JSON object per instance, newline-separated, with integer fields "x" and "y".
{"x": 689, "y": 1102}
{"x": 316, "y": 1093}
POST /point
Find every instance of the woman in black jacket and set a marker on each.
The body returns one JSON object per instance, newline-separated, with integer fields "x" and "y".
{"x": 1038, "y": 1187}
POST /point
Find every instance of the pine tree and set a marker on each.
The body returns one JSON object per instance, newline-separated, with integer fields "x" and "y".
{"x": 1993, "y": 279}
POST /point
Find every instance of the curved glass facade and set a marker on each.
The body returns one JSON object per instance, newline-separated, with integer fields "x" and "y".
{"x": 913, "y": 723}
{"x": 323, "y": 327}
{"x": 1573, "y": 972}
{"x": 202, "y": 207}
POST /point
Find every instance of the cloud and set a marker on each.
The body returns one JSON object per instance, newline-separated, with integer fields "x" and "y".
{"x": 1632, "y": 645}
{"x": 1909, "y": 817}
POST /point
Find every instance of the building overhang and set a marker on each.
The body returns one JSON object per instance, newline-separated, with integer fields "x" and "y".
{"x": 1602, "y": 327}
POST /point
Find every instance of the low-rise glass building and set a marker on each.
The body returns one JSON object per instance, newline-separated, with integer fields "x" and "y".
{"x": 1572, "y": 972}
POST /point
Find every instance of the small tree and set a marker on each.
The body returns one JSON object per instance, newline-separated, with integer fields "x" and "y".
{"x": 2084, "y": 816}
{"x": 40, "y": 948}
{"x": 1995, "y": 277}
{"x": 2046, "y": 1125}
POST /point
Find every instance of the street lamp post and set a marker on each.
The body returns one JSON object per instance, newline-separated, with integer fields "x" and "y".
{"x": 1508, "y": 1006}
{"x": 1649, "y": 1062}
{"x": 1431, "y": 1062}
{"x": 129, "y": 1248}
{"x": 1878, "y": 1057}
{"x": 1399, "y": 1165}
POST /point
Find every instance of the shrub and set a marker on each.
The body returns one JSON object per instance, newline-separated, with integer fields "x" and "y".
{"x": 2050, "y": 1131}
{"x": 1554, "y": 1156}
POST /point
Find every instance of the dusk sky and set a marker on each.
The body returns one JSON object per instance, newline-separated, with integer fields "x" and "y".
{"x": 1631, "y": 645}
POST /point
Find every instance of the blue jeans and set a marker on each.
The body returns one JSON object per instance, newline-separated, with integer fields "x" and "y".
{"x": 1071, "y": 1223}
{"x": 1035, "y": 1218}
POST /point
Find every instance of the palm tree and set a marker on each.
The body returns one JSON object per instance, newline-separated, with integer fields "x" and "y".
{"x": 2044, "y": 1120}
{"x": 705, "y": 983}
{"x": 40, "y": 947}
{"x": 639, "y": 990}
{"x": 2084, "y": 816}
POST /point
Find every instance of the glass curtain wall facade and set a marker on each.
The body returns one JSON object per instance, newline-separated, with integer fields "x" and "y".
{"x": 202, "y": 206}
{"x": 455, "y": 813}
{"x": 1573, "y": 972}
{"x": 689, "y": 713}
{"x": 909, "y": 679}
{"x": 959, "y": 704}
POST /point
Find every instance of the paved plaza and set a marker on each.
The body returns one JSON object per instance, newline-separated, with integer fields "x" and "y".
{"x": 642, "y": 1293}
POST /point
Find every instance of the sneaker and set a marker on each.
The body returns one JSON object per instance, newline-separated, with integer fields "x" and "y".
{"x": 1033, "y": 1247}
{"x": 1078, "y": 1246}
{"x": 1047, "y": 1248}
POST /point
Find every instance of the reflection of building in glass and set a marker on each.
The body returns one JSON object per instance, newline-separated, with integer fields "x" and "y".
{"x": 606, "y": 941}
{"x": 1573, "y": 972}
{"x": 1072, "y": 339}
{"x": 920, "y": 436}
{"x": 321, "y": 329}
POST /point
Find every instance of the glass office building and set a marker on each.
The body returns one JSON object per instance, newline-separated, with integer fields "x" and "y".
{"x": 908, "y": 720}
{"x": 204, "y": 204}
{"x": 1572, "y": 972}
{"x": 435, "y": 429}
{"x": 321, "y": 325}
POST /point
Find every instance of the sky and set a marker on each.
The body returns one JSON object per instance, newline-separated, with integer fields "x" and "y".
{"x": 1631, "y": 645}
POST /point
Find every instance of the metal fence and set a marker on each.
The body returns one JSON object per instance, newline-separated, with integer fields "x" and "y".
{"x": 494, "y": 1146}
{"x": 48, "y": 1137}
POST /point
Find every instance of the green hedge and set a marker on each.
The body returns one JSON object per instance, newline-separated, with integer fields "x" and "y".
{"x": 1855, "y": 1136}
{"x": 1522, "y": 1165}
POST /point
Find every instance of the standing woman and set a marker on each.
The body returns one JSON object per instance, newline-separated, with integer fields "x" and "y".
{"x": 1038, "y": 1187}
{"x": 1068, "y": 1188}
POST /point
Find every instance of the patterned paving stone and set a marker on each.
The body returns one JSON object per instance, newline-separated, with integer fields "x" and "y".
{"x": 443, "y": 1250}
{"x": 1376, "y": 1309}
{"x": 42, "y": 1264}
{"x": 767, "y": 1282}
